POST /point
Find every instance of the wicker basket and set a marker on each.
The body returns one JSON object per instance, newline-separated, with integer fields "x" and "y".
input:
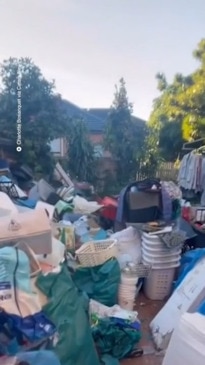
{"x": 95, "y": 253}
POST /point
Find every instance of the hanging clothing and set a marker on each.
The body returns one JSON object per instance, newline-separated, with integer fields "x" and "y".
{"x": 203, "y": 182}
{"x": 192, "y": 170}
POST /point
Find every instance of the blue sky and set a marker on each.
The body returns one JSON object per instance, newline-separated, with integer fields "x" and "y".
{"x": 87, "y": 45}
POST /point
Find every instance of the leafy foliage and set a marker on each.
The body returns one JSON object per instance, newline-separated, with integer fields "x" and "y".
{"x": 28, "y": 97}
{"x": 81, "y": 160}
{"x": 124, "y": 136}
{"x": 181, "y": 103}
{"x": 171, "y": 140}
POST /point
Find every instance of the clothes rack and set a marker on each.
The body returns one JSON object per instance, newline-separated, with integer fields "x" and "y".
{"x": 187, "y": 146}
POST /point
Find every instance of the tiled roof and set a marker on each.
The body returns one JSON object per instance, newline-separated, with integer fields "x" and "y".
{"x": 101, "y": 113}
{"x": 104, "y": 112}
{"x": 95, "y": 118}
{"x": 93, "y": 122}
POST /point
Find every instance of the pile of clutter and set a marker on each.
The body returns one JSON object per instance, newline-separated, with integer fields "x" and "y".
{"x": 59, "y": 280}
{"x": 69, "y": 280}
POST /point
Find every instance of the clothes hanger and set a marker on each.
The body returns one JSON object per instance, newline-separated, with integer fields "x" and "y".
{"x": 190, "y": 146}
{"x": 200, "y": 150}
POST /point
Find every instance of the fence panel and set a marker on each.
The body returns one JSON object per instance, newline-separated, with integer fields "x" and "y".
{"x": 166, "y": 171}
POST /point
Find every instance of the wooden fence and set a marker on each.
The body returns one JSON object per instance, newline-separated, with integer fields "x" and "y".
{"x": 166, "y": 171}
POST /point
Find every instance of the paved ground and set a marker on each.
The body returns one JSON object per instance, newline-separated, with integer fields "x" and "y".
{"x": 147, "y": 309}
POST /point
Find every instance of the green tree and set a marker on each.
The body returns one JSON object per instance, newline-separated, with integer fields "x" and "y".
{"x": 81, "y": 159}
{"x": 165, "y": 126}
{"x": 171, "y": 140}
{"x": 182, "y": 102}
{"x": 124, "y": 136}
{"x": 27, "y": 97}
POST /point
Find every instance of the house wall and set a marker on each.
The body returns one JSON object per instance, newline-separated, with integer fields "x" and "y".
{"x": 59, "y": 146}
{"x": 105, "y": 165}
{"x": 96, "y": 138}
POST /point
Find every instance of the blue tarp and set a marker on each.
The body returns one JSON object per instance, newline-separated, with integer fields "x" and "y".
{"x": 188, "y": 261}
{"x": 201, "y": 308}
{"x": 26, "y": 202}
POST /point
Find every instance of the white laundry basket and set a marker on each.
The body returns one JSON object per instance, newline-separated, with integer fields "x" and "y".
{"x": 158, "y": 284}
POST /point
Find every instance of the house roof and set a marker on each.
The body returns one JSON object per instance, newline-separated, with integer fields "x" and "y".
{"x": 95, "y": 118}
{"x": 93, "y": 122}
{"x": 104, "y": 112}
{"x": 101, "y": 113}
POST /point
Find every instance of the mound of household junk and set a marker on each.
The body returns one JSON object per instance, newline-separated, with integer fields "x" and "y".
{"x": 73, "y": 269}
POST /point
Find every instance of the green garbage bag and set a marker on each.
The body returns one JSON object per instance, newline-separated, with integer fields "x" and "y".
{"x": 100, "y": 282}
{"x": 109, "y": 360}
{"x": 115, "y": 339}
{"x": 68, "y": 309}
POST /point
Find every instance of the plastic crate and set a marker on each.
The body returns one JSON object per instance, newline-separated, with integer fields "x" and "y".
{"x": 158, "y": 284}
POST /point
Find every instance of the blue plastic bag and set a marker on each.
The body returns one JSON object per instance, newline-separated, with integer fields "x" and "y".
{"x": 188, "y": 261}
{"x": 34, "y": 328}
{"x": 201, "y": 308}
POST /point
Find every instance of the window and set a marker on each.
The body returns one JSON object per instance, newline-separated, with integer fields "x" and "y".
{"x": 98, "y": 150}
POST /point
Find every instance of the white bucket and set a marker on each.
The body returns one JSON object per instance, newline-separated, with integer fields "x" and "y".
{"x": 150, "y": 238}
{"x": 159, "y": 266}
{"x": 158, "y": 245}
{"x": 162, "y": 255}
{"x": 160, "y": 251}
{"x": 151, "y": 259}
{"x": 128, "y": 290}
{"x": 124, "y": 293}
{"x": 129, "y": 281}
{"x": 126, "y": 303}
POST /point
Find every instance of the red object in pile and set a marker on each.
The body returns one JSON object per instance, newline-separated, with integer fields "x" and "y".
{"x": 110, "y": 207}
{"x": 186, "y": 213}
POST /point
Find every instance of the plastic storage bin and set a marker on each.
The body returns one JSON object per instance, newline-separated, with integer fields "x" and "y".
{"x": 158, "y": 285}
